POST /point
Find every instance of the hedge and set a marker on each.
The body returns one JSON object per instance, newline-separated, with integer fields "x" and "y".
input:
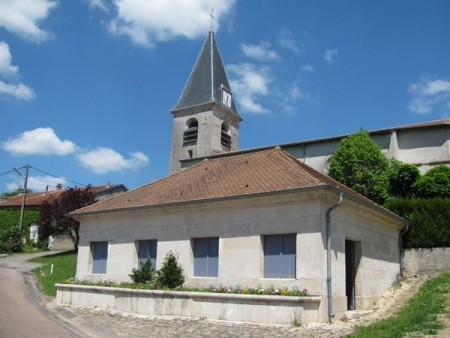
{"x": 11, "y": 218}
{"x": 430, "y": 221}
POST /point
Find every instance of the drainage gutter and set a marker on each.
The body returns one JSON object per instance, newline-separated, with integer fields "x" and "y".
{"x": 329, "y": 289}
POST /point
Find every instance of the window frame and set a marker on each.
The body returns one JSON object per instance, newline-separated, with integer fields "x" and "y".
{"x": 280, "y": 255}
{"x": 206, "y": 256}
{"x": 152, "y": 245}
{"x": 99, "y": 251}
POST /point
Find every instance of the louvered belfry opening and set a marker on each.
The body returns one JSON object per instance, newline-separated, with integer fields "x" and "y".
{"x": 190, "y": 135}
{"x": 225, "y": 138}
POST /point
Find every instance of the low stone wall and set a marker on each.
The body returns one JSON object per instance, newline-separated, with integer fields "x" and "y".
{"x": 429, "y": 261}
{"x": 231, "y": 307}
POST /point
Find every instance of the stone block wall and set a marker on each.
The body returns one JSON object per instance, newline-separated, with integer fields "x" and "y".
{"x": 426, "y": 261}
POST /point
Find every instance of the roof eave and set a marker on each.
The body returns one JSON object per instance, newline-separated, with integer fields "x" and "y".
{"x": 328, "y": 187}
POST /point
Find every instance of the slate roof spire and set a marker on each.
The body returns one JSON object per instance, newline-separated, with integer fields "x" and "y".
{"x": 207, "y": 78}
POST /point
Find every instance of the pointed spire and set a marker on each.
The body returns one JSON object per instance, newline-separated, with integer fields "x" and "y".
{"x": 207, "y": 78}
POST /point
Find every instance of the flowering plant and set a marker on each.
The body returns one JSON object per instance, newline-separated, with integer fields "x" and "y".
{"x": 230, "y": 289}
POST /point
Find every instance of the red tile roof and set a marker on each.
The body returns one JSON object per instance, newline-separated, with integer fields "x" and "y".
{"x": 265, "y": 171}
{"x": 37, "y": 198}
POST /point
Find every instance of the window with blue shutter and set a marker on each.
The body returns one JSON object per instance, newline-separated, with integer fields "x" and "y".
{"x": 99, "y": 257}
{"x": 147, "y": 249}
{"x": 279, "y": 256}
{"x": 206, "y": 257}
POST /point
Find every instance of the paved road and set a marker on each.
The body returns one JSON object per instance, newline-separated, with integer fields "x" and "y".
{"x": 21, "y": 316}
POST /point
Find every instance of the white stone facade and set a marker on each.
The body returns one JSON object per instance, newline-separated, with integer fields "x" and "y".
{"x": 241, "y": 224}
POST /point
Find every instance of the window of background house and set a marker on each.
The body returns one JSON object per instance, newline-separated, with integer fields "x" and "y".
{"x": 99, "y": 257}
{"x": 206, "y": 257}
{"x": 147, "y": 249}
{"x": 279, "y": 256}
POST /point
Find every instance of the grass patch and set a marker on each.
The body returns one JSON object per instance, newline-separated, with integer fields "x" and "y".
{"x": 64, "y": 267}
{"x": 419, "y": 314}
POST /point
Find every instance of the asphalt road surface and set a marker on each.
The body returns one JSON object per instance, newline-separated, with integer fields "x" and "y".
{"x": 20, "y": 316}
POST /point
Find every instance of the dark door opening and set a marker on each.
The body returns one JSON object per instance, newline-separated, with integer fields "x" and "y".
{"x": 350, "y": 274}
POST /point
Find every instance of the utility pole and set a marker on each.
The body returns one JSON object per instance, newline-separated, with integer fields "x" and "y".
{"x": 25, "y": 181}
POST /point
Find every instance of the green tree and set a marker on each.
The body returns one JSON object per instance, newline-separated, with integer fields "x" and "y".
{"x": 359, "y": 164}
{"x": 171, "y": 273}
{"x": 435, "y": 183}
{"x": 144, "y": 274}
{"x": 402, "y": 179}
{"x": 53, "y": 214}
{"x": 13, "y": 193}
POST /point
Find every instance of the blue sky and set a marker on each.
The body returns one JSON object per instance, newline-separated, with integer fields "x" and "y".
{"x": 86, "y": 86}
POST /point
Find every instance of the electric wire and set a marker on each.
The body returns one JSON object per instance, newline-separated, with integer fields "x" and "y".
{"x": 44, "y": 172}
{"x": 61, "y": 178}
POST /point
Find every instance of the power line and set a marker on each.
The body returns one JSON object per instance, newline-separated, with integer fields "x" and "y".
{"x": 44, "y": 172}
{"x": 10, "y": 171}
{"x": 58, "y": 177}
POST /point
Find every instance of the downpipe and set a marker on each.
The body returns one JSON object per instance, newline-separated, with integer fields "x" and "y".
{"x": 400, "y": 244}
{"x": 329, "y": 288}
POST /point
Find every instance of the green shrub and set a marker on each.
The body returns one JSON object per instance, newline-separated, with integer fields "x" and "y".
{"x": 144, "y": 274}
{"x": 11, "y": 241}
{"x": 171, "y": 273}
{"x": 430, "y": 226}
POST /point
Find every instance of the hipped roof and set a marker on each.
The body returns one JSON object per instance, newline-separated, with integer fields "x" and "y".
{"x": 249, "y": 174}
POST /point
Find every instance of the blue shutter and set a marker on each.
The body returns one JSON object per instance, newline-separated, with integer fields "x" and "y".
{"x": 279, "y": 256}
{"x": 206, "y": 257}
{"x": 100, "y": 257}
{"x": 213, "y": 257}
{"x": 147, "y": 248}
{"x": 272, "y": 253}
{"x": 288, "y": 257}
{"x": 200, "y": 256}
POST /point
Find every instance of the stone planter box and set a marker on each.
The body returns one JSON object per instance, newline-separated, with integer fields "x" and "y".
{"x": 230, "y": 307}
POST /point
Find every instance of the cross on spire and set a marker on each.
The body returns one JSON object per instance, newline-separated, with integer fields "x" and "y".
{"x": 212, "y": 17}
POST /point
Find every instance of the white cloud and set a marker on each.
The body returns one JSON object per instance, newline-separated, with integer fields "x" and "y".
{"x": 102, "y": 160}
{"x": 7, "y": 70}
{"x": 35, "y": 183}
{"x": 298, "y": 94}
{"x": 428, "y": 94}
{"x": 6, "y": 67}
{"x": 285, "y": 39}
{"x": 18, "y": 91}
{"x": 259, "y": 52}
{"x": 22, "y": 17}
{"x": 330, "y": 55}
{"x": 307, "y": 68}
{"x": 289, "y": 96}
{"x": 250, "y": 83}
{"x": 40, "y": 141}
{"x": 98, "y": 4}
{"x": 147, "y": 22}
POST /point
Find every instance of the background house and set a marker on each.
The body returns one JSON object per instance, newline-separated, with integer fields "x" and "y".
{"x": 34, "y": 200}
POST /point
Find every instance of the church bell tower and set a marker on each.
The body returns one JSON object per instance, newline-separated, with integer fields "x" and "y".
{"x": 205, "y": 119}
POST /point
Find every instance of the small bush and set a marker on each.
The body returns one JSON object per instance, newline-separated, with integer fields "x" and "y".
{"x": 171, "y": 273}
{"x": 144, "y": 274}
{"x": 11, "y": 241}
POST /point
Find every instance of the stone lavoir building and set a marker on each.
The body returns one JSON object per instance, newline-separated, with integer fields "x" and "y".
{"x": 257, "y": 218}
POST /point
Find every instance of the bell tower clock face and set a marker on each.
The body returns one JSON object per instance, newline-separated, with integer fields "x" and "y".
{"x": 226, "y": 98}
